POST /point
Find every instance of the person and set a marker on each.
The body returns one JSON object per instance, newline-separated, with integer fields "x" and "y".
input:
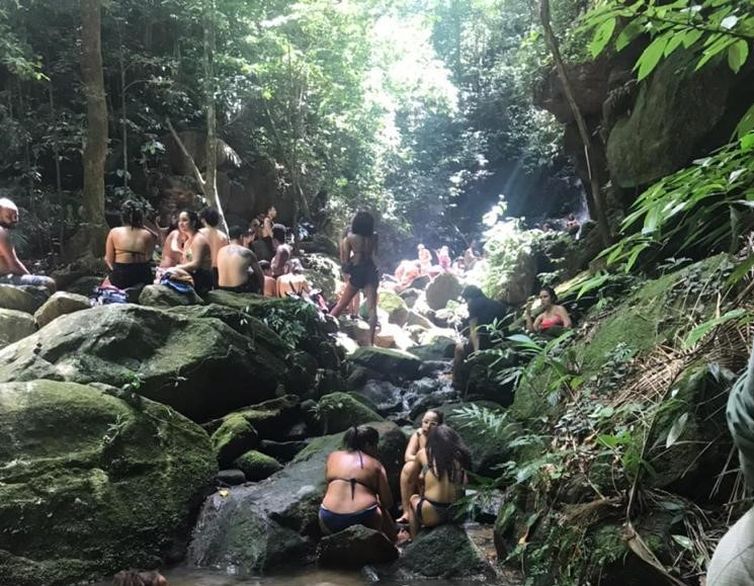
{"x": 238, "y": 269}
{"x": 357, "y": 489}
{"x": 732, "y": 564}
{"x": 443, "y": 463}
{"x": 406, "y": 272}
{"x": 270, "y": 283}
{"x": 139, "y": 578}
{"x": 470, "y": 256}
{"x": 553, "y": 318}
{"x": 172, "y": 246}
{"x": 443, "y": 258}
{"x": 196, "y": 259}
{"x": 12, "y": 270}
{"x": 360, "y": 252}
{"x": 353, "y": 307}
{"x": 129, "y": 248}
{"x": 252, "y": 234}
{"x": 210, "y": 218}
{"x": 418, "y": 441}
{"x": 425, "y": 259}
{"x": 282, "y": 252}
{"x": 294, "y": 281}
{"x": 268, "y": 225}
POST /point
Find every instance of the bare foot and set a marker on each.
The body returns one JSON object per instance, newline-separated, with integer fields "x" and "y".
{"x": 402, "y": 519}
{"x": 403, "y": 537}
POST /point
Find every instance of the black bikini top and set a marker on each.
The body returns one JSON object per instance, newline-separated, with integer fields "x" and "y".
{"x": 355, "y": 481}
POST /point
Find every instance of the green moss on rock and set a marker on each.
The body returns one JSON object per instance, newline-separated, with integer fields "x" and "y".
{"x": 256, "y": 465}
{"x": 337, "y": 412}
{"x": 234, "y": 437}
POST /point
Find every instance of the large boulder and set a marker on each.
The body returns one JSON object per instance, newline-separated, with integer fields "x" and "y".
{"x": 676, "y": 114}
{"x": 175, "y": 360}
{"x": 355, "y": 547}
{"x": 91, "y": 484}
{"x": 272, "y": 419}
{"x": 233, "y": 438}
{"x": 23, "y": 298}
{"x": 85, "y": 285}
{"x": 61, "y": 303}
{"x": 442, "y": 289}
{"x": 391, "y": 363}
{"x": 252, "y": 528}
{"x": 442, "y": 552}
{"x": 163, "y": 296}
{"x": 394, "y": 306}
{"x": 257, "y": 466}
{"x": 338, "y": 411}
{"x": 14, "y": 326}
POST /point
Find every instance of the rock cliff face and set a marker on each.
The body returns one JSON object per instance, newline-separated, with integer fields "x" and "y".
{"x": 91, "y": 484}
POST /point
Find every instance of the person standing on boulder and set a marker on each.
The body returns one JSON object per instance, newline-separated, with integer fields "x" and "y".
{"x": 357, "y": 488}
{"x": 360, "y": 251}
{"x": 12, "y": 270}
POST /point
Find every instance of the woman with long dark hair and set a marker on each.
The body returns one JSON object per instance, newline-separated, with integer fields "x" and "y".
{"x": 128, "y": 249}
{"x": 553, "y": 319}
{"x": 443, "y": 463}
{"x": 357, "y": 489}
{"x": 196, "y": 258}
{"x": 359, "y": 256}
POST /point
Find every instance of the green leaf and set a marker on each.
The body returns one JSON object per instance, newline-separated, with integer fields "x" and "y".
{"x": 602, "y": 37}
{"x": 747, "y": 142}
{"x": 738, "y": 53}
{"x": 676, "y": 430}
{"x": 691, "y": 37}
{"x": 632, "y": 30}
{"x": 704, "y": 328}
{"x": 684, "y": 542}
{"x": 746, "y": 124}
{"x": 651, "y": 56}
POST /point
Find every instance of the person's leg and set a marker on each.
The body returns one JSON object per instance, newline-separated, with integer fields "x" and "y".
{"x": 345, "y": 299}
{"x": 414, "y": 522}
{"x": 407, "y": 489}
{"x": 371, "y": 295}
{"x": 353, "y": 308}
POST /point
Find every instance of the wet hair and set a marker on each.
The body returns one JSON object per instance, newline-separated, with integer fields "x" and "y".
{"x": 550, "y": 292}
{"x": 278, "y": 232}
{"x": 235, "y": 232}
{"x": 194, "y": 222}
{"x": 439, "y": 414}
{"x": 132, "y": 213}
{"x": 472, "y": 292}
{"x": 137, "y": 578}
{"x": 210, "y": 216}
{"x": 447, "y": 455}
{"x": 359, "y": 437}
{"x": 363, "y": 224}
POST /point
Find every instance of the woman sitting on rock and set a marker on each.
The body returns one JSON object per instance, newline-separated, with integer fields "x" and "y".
{"x": 443, "y": 463}
{"x": 553, "y": 319}
{"x": 357, "y": 488}
{"x": 129, "y": 248}
{"x": 196, "y": 259}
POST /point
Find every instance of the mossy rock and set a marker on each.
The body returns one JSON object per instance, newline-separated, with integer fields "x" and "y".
{"x": 14, "y": 326}
{"x": 234, "y": 437}
{"x": 337, "y": 412}
{"x": 394, "y": 306}
{"x": 173, "y": 359}
{"x": 257, "y": 466}
{"x": 392, "y": 363}
{"x": 163, "y": 296}
{"x": 271, "y": 419}
{"x": 91, "y": 484}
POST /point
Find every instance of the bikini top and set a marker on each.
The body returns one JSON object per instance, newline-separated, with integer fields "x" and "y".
{"x": 354, "y": 481}
{"x": 546, "y": 323}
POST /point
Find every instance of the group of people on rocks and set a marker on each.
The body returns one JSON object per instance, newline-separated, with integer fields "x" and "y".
{"x": 432, "y": 481}
{"x": 197, "y": 252}
{"x": 408, "y": 270}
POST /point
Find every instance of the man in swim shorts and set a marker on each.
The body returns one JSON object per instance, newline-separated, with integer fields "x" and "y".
{"x": 12, "y": 270}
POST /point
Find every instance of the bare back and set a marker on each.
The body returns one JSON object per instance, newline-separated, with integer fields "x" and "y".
{"x": 233, "y": 264}
{"x": 362, "y": 248}
{"x": 440, "y": 489}
{"x": 129, "y": 245}
{"x": 217, "y": 239}
{"x": 368, "y": 487}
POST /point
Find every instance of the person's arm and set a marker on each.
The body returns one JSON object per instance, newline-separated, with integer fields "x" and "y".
{"x": 257, "y": 272}
{"x": 563, "y": 312}
{"x": 386, "y": 496}
{"x": 166, "y": 261}
{"x": 11, "y": 261}
{"x": 109, "y": 251}
{"x": 412, "y": 448}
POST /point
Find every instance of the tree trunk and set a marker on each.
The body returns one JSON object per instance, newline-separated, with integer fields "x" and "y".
{"x": 210, "y": 174}
{"x": 91, "y": 237}
{"x": 598, "y": 200}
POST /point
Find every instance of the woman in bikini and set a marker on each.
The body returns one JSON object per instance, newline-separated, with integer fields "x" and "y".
{"x": 443, "y": 463}
{"x": 129, "y": 248}
{"x": 196, "y": 259}
{"x": 553, "y": 318}
{"x": 417, "y": 442}
{"x": 357, "y": 488}
{"x": 360, "y": 250}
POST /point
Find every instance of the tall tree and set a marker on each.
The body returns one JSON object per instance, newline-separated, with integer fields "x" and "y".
{"x": 91, "y": 237}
